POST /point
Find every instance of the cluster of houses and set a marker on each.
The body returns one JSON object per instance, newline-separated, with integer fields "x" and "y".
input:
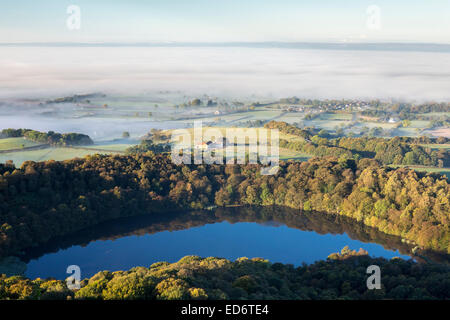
{"x": 357, "y": 105}
{"x": 211, "y": 145}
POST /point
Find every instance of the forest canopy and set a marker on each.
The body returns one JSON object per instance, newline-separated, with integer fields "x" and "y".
{"x": 213, "y": 278}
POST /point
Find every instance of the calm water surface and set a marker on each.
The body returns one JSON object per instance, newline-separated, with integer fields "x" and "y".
{"x": 278, "y": 238}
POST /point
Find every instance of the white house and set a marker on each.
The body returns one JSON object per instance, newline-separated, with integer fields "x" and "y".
{"x": 202, "y": 146}
{"x": 393, "y": 120}
{"x": 209, "y": 145}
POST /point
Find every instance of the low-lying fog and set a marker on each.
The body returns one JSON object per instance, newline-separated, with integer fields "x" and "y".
{"x": 225, "y": 70}
{"x": 232, "y": 72}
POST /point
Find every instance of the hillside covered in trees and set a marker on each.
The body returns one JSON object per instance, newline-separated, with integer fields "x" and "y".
{"x": 47, "y": 199}
{"x": 397, "y": 150}
{"x": 341, "y": 276}
{"x": 52, "y": 138}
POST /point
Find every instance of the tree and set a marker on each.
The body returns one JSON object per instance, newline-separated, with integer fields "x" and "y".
{"x": 406, "y": 123}
{"x": 196, "y": 102}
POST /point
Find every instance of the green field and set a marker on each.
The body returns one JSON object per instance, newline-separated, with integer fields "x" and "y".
{"x": 119, "y": 147}
{"x": 421, "y": 124}
{"x": 291, "y": 117}
{"x": 223, "y": 132}
{"x": 383, "y": 125}
{"x": 284, "y": 154}
{"x": 435, "y": 114}
{"x": 123, "y": 107}
{"x": 241, "y": 117}
{"x": 443, "y": 171}
{"x": 57, "y": 154}
{"x": 336, "y": 116}
{"x": 407, "y": 132}
{"x": 325, "y": 124}
{"x": 287, "y": 154}
{"x": 436, "y": 146}
{"x": 16, "y": 143}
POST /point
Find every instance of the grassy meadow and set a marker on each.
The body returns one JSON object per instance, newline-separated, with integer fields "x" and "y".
{"x": 16, "y": 143}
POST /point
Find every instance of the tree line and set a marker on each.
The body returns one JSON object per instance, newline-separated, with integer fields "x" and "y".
{"x": 52, "y": 138}
{"x": 148, "y": 145}
{"x": 409, "y": 111}
{"x": 341, "y": 276}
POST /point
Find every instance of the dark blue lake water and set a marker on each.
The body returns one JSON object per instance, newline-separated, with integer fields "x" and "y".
{"x": 271, "y": 239}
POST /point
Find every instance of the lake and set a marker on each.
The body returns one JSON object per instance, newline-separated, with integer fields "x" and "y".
{"x": 277, "y": 234}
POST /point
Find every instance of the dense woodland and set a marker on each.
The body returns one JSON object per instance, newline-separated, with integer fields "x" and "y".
{"x": 148, "y": 145}
{"x": 51, "y": 138}
{"x": 42, "y": 200}
{"x": 397, "y": 150}
{"x": 341, "y": 276}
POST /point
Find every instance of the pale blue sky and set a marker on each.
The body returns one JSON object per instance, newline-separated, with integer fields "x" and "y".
{"x": 225, "y": 20}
